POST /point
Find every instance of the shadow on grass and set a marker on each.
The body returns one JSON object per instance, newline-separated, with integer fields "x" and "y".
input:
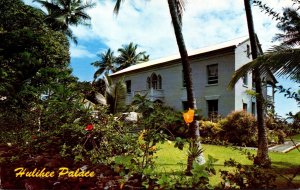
{"x": 285, "y": 166}
{"x": 288, "y": 175}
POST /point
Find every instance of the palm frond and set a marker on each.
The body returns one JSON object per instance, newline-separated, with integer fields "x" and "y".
{"x": 49, "y": 6}
{"x": 69, "y": 33}
{"x": 241, "y": 72}
{"x": 280, "y": 60}
{"x": 114, "y": 94}
{"x": 99, "y": 72}
{"x": 117, "y": 6}
{"x": 101, "y": 99}
{"x": 119, "y": 95}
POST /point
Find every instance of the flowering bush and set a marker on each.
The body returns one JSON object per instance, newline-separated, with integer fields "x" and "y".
{"x": 239, "y": 128}
{"x": 209, "y": 129}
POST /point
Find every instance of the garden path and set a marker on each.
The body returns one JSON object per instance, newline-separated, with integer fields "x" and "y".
{"x": 285, "y": 147}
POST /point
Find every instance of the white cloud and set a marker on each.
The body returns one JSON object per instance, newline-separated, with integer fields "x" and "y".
{"x": 148, "y": 23}
{"x": 80, "y": 52}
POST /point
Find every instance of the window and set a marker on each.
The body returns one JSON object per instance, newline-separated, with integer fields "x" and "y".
{"x": 154, "y": 81}
{"x": 245, "y": 107}
{"x": 159, "y": 81}
{"x": 128, "y": 86}
{"x": 212, "y": 74}
{"x": 253, "y": 108}
{"x": 245, "y": 79}
{"x": 248, "y": 51}
{"x": 185, "y": 105}
{"x": 212, "y": 106}
{"x": 183, "y": 80}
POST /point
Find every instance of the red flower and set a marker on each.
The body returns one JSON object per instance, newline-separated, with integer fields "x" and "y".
{"x": 89, "y": 127}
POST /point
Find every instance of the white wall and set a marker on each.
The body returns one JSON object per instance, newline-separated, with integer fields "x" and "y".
{"x": 175, "y": 93}
{"x": 241, "y": 58}
{"x": 204, "y": 91}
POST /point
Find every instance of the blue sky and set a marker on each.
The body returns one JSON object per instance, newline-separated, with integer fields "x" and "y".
{"x": 148, "y": 24}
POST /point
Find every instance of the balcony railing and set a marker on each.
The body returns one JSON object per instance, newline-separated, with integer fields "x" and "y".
{"x": 152, "y": 94}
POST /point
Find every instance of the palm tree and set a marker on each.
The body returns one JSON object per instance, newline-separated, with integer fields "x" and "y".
{"x": 262, "y": 157}
{"x": 176, "y": 8}
{"x": 142, "y": 104}
{"x": 114, "y": 95}
{"x": 106, "y": 64}
{"x": 281, "y": 60}
{"x": 128, "y": 56}
{"x": 65, "y": 13}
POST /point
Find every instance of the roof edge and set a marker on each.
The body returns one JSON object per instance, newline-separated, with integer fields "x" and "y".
{"x": 204, "y": 50}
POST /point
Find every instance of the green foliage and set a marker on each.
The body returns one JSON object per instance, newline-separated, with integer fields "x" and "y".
{"x": 209, "y": 129}
{"x": 32, "y": 56}
{"x": 154, "y": 127}
{"x": 128, "y": 56}
{"x": 247, "y": 177}
{"x": 281, "y": 127}
{"x": 295, "y": 125}
{"x": 239, "y": 128}
{"x": 62, "y": 14}
{"x": 278, "y": 128}
{"x": 199, "y": 178}
{"x": 210, "y": 132}
{"x": 109, "y": 63}
{"x": 114, "y": 95}
{"x": 63, "y": 105}
{"x": 109, "y": 138}
{"x": 106, "y": 64}
{"x": 169, "y": 120}
{"x": 289, "y": 94}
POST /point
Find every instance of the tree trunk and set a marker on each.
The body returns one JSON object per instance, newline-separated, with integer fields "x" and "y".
{"x": 194, "y": 127}
{"x": 262, "y": 157}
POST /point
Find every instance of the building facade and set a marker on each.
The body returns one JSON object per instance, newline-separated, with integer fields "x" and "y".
{"x": 212, "y": 67}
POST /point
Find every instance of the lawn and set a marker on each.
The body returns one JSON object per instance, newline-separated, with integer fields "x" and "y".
{"x": 295, "y": 137}
{"x": 172, "y": 159}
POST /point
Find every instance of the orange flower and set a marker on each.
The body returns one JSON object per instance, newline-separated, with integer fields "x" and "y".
{"x": 189, "y": 116}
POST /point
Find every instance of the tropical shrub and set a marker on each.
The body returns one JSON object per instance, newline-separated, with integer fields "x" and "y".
{"x": 239, "y": 128}
{"x": 210, "y": 133}
{"x": 246, "y": 177}
{"x": 172, "y": 121}
{"x": 209, "y": 129}
{"x": 199, "y": 178}
{"x": 159, "y": 116}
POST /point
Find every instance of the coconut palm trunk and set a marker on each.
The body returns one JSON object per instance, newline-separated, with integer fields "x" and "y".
{"x": 194, "y": 127}
{"x": 262, "y": 157}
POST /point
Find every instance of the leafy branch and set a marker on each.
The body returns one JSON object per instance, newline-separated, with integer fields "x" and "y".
{"x": 289, "y": 94}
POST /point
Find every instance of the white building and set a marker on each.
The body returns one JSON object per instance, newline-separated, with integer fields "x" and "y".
{"x": 212, "y": 69}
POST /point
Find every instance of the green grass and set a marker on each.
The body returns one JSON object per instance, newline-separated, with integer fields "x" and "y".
{"x": 295, "y": 137}
{"x": 170, "y": 159}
